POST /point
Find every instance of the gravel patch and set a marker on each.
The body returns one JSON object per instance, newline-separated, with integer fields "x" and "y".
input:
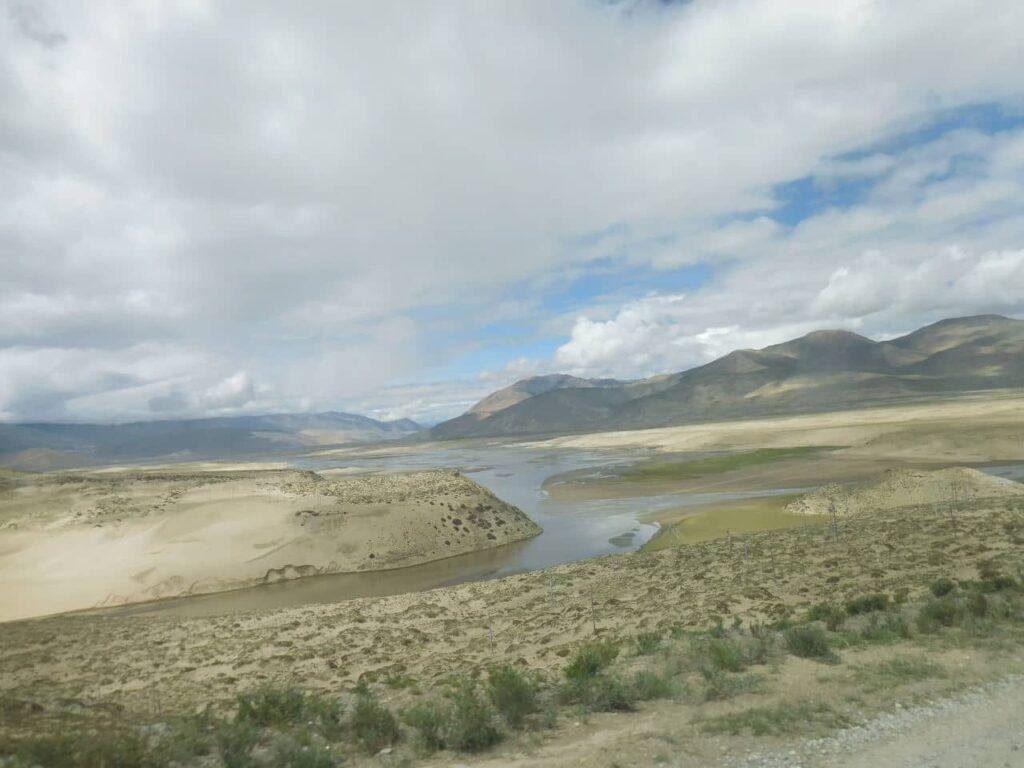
{"x": 978, "y": 727}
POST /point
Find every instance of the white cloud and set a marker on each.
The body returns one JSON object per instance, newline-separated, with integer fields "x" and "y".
{"x": 235, "y": 391}
{"x": 872, "y": 294}
{"x": 939, "y": 233}
{"x": 278, "y": 189}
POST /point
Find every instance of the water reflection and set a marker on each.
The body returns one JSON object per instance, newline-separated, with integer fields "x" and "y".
{"x": 342, "y": 586}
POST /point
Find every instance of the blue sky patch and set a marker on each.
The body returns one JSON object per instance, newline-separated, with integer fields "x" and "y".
{"x": 807, "y": 196}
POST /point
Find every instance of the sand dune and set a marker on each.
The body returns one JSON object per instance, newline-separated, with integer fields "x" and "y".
{"x": 978, "y": 428}
{"x": 905, "y": 487}
{"x": 71, "y": 541}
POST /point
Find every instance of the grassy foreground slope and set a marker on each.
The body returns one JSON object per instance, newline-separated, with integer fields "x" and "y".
{"x": 892, "y": 576}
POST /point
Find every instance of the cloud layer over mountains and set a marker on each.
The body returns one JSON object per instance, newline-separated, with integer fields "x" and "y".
{"x": 227, "y": 207}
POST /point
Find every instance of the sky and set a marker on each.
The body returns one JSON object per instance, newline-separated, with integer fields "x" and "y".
{"x": 394, "y": 208}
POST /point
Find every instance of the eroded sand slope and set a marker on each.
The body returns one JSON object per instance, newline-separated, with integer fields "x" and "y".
{"x": 70, "y": 541}
{"x": 897, "y": 488}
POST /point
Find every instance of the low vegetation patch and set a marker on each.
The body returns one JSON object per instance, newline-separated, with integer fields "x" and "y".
{"x": 268, "y": 706}
{"x": 647, "y": 643}
{"x": 465, "y": 722}
{"x": 780, "y": 719}
{"x": 472, "y": 726}
{"x": 591, "y": 659}
{"x": 373, "y": 725}
{"x": 726, "y": 655}
{"x": 898, "y": 671}
{"x": 86, "y": 750}
{"x": 877, "y": 601}
{"x": 513, "y": 693}
{"x": 601, "y": 693}
{"x": 683, "y": 470}
{"x": 287, "y": 726}
{"x": 832, "y": 615}
{"x": 808, "y": 642}
{"x": 879, "y": 629}
{"x": 739, "y": 518}
{"x": 429, "y": 720}
{"x": 720, "y": 686}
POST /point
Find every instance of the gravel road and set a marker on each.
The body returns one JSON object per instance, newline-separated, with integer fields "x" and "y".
{"x": 981, "y": 727}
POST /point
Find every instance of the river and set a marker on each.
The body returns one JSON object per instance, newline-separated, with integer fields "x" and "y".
{"x": 572, "y": 530}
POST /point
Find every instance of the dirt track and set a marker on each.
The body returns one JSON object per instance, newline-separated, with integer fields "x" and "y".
{"x": 981, "y": 727}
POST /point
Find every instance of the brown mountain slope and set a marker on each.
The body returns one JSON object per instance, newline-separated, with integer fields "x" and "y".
{"x": 821, "y": 370}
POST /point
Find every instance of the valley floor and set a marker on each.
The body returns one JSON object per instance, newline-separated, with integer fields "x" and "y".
{"x": 82, "y": 670}
{"x": 702, "y": 625}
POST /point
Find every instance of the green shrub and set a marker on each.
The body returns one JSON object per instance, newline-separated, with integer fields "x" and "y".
{"x": 897, "y": 624}
{"x": 591, "y": 659}
{"x": 832, "y": 614}
{"x": 780, "y": 719}
{"x": 650, "y": 685}
{"x": 782, "y": 624}
{"x": 471, "y": 727}
{"x": 999, "y": 582}
{"x": 759, "y": 650}
{"x": 601, "y": 693}
{"x": 647, "y": 643}
{"x": 808, "y": 642}
{"x": 977, "y": 604}
{"x": 303, "y": 754}
{"x": 1006, "y": 607}
{"x": 941, "y": 587}
{"x": 726, "y": 655}
{"x": 465, "y": 723}
{"x": 268, "y": 706}
{"x": 877, "y": 601}
{"x": 373, "y": 725}
{"x": 107, "y": 749}
{"x": 721, "y": 686}
{"x": 430, "y": 720}
{"x": 235, "y": 742}
{"x": 898, "y": 671}
{"x": 513, "y": 694}
{"x": 944, "y": 611}
{"x": 890, "y": 629}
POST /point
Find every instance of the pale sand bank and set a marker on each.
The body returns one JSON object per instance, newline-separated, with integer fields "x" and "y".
{"x": 943, "y": 489}
{"x": 72, "y": 541}
{"x": 977, "y": 428}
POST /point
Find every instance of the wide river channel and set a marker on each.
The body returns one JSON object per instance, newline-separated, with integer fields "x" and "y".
{"x": 572, "y": 530}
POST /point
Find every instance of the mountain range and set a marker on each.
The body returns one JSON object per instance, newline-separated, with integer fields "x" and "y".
{"x": 56, "y": 446}
{"x": 820, "y": 371}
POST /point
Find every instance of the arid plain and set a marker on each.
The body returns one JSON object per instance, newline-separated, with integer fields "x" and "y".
{"x": 904, "y": 522}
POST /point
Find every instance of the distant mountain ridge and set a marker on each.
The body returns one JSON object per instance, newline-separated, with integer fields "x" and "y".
{"x": 46, "y": 446}
{"x": 824, "y": 369}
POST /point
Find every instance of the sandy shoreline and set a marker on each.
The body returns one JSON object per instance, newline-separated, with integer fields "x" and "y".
{"x": 73, "y": 541}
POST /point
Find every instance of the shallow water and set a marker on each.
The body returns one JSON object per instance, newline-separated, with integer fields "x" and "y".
{"x": 572, "y": 530}
{"x": 1008, "y": 471}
